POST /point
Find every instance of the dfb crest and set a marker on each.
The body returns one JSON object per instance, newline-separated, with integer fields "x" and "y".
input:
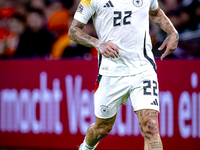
{"x": 137, "y": 3}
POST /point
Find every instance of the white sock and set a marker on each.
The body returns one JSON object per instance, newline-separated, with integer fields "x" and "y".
{"x": 87, "y": 147}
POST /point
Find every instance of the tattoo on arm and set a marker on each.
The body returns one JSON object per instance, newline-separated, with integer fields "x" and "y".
{"x": 77, "y": 34}
{"x": 154, "y": 13}
{"x": 160, "y": 19}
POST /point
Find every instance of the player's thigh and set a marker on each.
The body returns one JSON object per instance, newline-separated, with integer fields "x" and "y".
{"x": 111, "y": 93}
{"x": 144, "y": 94}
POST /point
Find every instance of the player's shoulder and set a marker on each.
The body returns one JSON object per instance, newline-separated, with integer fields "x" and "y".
{"x": 100, "y": 3}
{"x": 92, "y": 2}
{"x": 153, "y": 1}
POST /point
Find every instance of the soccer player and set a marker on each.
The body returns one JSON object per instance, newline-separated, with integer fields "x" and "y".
{"x": 126, "y": 64}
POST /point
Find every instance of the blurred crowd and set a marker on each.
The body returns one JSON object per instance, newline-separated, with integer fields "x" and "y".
{"x": 38, "y": 29}
{"x": 185, "y": 16}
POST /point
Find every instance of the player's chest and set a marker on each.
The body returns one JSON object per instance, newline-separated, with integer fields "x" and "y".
{"x": 122, "y": 12}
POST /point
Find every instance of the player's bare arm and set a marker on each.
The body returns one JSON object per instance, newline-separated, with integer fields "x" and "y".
{"x": 171, "y": 42}
{"x": 77, "y": 34}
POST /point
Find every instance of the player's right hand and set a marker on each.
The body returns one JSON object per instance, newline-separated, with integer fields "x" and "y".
{"x": 107, "y": 49}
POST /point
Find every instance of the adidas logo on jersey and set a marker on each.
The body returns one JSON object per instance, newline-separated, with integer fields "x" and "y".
{"x": 109, "y": 4}
{"x": 155, "y": 102}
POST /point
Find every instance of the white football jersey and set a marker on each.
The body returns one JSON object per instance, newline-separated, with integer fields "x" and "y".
{"x": 126, "y": 24}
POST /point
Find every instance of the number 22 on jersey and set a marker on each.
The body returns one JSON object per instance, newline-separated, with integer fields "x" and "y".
{"x": 118, "y": 19}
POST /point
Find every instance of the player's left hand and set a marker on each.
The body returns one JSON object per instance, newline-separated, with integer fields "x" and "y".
{"x": 171, "y": 43}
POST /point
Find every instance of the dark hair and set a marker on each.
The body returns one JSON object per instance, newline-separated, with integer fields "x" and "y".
{"x": 66, "y": 3}
{"x": 35, "y": 10}
{"x": 19, "y": 17}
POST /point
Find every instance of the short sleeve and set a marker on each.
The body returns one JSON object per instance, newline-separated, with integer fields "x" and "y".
{"x": 85, "y": 11}
{"x": 154, "y": 5}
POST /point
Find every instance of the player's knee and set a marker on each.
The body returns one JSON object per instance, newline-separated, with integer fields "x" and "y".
{"x": 103, "y": 132}
{"x": 150, "y": 128}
